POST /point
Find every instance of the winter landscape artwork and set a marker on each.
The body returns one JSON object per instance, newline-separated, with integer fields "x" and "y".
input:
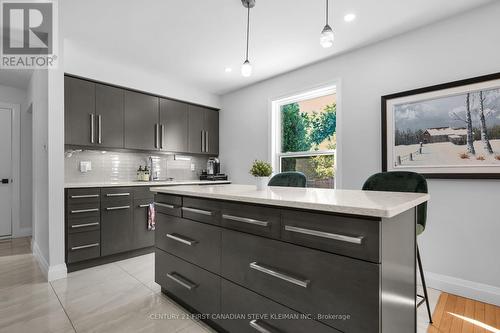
{"x": 450, "y": 130}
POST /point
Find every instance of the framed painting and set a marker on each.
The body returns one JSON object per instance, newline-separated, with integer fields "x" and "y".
{"x": 449, "y": 130}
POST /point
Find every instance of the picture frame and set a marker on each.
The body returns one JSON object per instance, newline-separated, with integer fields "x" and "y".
{"x": 448, "y": 131}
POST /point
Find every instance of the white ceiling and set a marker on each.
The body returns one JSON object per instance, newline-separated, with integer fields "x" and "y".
{"x": 194, "y": 41}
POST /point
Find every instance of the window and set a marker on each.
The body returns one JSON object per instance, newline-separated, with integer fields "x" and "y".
{"x": 304, "y": 135}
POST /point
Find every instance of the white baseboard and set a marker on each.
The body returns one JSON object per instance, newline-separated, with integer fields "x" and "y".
{"x": 23, "y": 232}
{"x": 465, "y": 288}
{"x": 51, "y": 273}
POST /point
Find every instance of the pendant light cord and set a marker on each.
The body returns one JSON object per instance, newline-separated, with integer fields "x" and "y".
{"x": 327, "y": 12}
{"x": 248, "y": 29}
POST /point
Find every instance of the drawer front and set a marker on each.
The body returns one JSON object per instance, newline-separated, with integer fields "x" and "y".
{"x": 202, "y": 210}
{"x": 83, "y": 195}
{"x": 83, "y": 210}
{"x": 192, "y": 241}
{"x": 142, "y": 237}
{"x": 252, "y": 219}
{"x": 168, "y": 204}
{"x": 306, "y": 280}
{"x": 238, "y": 300}
{"x": 194, "y": 286}
{"x": 353, "y": 237}
{"x": 83, "y": 224}
{"x": 116, "y": 193}
{"x": 143, "y": 192}
{"x": 83, "y": 246}
{"x": 116, "y": 227}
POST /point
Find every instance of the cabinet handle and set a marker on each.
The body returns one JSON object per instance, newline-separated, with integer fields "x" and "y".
{"x": 179, "y": 279}
{"x": 143, "y": 206}
{"x": 197, "y": 211}
{"x": 206, "y": 141}
{"x": 181, "y": 239}
{"x": 279, "y": 275}
{"x": 99, "y": 129}
{"x": 84, "y": 246}
{"x": 162, "y": 134}
{"x": 164, "y": 205}
{"x": 245, "y": 220}
{"x": 118, "y": 194}
{"x": 79, "y": 211}
{"x": 322, "y": 234}
{"x": 258, "y": 326}
{"x": 118, "y": 208}
{"x": 92, "y": 132}
{"x": 75, "y": 226}
{"x": 156, "y": 135}
{"x": 202, "y": 141}
{"x": 84, "y": 196}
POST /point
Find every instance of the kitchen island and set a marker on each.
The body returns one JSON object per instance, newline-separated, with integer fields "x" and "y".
{"x": 289, "y": 259}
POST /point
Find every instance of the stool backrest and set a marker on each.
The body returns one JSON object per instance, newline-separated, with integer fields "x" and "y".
{"x": 288, "y": 179}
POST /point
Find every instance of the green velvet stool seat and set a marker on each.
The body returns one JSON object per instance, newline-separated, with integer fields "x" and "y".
{"x": 288, "y": 179}
{"x": 404, "y": 181}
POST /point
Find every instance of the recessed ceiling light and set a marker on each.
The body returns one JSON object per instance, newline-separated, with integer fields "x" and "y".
{"x": 228, "y": 70}
{"x": 349, "y": 17}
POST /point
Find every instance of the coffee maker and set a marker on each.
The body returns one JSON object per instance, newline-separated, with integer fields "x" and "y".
{"x": 213, "y": 170}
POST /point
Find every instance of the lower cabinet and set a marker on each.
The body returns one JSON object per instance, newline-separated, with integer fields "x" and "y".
{"x": 116, "y": 227}
{"x": 141, "y": 236}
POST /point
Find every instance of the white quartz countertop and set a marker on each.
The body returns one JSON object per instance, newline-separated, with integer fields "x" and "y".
{"x": 141, "y": 183}
{"x": 357, "y": 202}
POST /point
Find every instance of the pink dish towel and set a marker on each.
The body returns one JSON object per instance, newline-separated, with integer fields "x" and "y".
{"x": 151, "y": 217}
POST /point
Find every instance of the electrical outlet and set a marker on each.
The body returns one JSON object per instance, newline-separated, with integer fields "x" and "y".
{"x": 85, "y": 166}
{"x": 193, "y": 167}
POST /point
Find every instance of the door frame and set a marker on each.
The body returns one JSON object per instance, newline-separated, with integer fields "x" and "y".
{"x": 15, "y": 166}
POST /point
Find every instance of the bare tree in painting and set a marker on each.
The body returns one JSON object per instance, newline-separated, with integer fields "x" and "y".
{"x": 484, "y": 132}
{"x": 468, "y": 123}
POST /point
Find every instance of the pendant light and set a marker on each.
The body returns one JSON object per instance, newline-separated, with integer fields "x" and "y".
{"x": 246, "y": 68}
{"x": 326, "y": 37}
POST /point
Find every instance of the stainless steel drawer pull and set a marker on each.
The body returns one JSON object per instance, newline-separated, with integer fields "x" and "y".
{"x": 144, "y": 206}
{"x": 343, "y": 238}
{"x": 84, "y": 196}
{"x": 181, "y": 239}
{"x": 279, "y": 275}
{"x": 181, "y": 281}
{"x": 118, "y": 208}
{"x": 164, "y": 205}
{"x": 245, "y": 220}
{"x": 259, "y": 327}
{"x": 75, "y": 226}
{"x": 197, "y": 211}
{"x": 79, "y": 211}
{"x": 84, "y": 247}
{"x": 117, "y": 194}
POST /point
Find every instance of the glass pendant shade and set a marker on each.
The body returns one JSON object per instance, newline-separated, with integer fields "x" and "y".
{"x": 246, "y": 69}
{"x": 326, "y": 38}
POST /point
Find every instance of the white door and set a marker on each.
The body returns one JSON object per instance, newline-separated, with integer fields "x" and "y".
{"x": 5, "y": 172}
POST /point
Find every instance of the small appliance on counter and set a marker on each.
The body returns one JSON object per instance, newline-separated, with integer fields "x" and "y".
{"x": 213, "y": 170}
{"x": 220, "y": 176}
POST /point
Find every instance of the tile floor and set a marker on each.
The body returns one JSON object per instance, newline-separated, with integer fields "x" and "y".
{"x": 117, "y": 297}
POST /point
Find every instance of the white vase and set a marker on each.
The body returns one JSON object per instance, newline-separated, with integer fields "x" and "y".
{"x": 261, "y": 182}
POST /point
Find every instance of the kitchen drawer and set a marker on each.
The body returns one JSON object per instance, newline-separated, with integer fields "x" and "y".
{"x": 168, "y": 204}
{"x": 83, "y": 246}
{"x": 83, "y": 195}
{"x": 192, "y": 285}
{"x": 82, "y": 224}
{"x": 264, "y": 313}
{"x": 252, "y": 219}
{"x": 83, "y": 210}
{"x": 306, "y": 280}
{"x": 116, "y": 193}
{"x": 353, "y": 237}
{"x": 195, "y": 242}
{"x": 143, "y": 192}
{"x": 202, "y": 210}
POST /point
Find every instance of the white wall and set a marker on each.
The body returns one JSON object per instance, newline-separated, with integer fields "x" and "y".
{"x": 18, "y": 96}
{"x": 460, "y": 248}
{"x": 83, "y": 61}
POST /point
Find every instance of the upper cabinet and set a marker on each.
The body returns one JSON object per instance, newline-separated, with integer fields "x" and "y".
{"x": 104, "y": 116}
{"x": 203, "y": 130}
{"x": 141, "y": 121}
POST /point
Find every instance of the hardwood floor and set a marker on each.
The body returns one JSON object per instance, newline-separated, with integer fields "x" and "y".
{"x": 455, "y": 314}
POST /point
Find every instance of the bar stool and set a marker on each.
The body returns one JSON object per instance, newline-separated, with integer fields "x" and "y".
{"x": 288, "y": 179}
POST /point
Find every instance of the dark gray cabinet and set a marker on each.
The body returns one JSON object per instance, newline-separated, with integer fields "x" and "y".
{"x": 141, "y": 121}
{"x": 116, "y": 227}
{"x": 173, "y": 126}
{"x": 203, "y": 130}
{"x": 79, "y": 111}
{"x": 141, "y": 236}
{"x": 109, "y": 116}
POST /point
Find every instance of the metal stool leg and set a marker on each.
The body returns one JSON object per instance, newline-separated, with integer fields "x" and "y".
{"x": 426, "y": 298}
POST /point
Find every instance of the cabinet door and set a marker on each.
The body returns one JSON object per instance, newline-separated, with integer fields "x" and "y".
{"x": 109, "y": 116}
{"x": 212, "y": 129}
{"x": 196, "y": 129}
{"x": 174, "y": 122}
{"x": 142, "y": 237}
{"x": 141, "y": 118}
{"x": 116, "y": 227}
{"x": 79, "y": 112}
